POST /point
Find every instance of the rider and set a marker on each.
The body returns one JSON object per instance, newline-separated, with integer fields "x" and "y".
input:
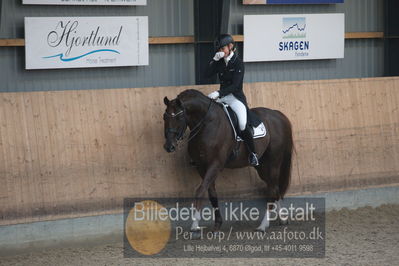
{"x": 230, "y": 71}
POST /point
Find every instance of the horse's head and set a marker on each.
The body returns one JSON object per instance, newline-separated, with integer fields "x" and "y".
{"x": 175, "y": 123}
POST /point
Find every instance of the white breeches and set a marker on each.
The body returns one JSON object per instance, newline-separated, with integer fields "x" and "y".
{"x": 238, "y": 107}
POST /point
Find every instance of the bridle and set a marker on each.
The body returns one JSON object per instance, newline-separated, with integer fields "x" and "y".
{"x": 174, "y": 130}
{"x": 196, "y": 129}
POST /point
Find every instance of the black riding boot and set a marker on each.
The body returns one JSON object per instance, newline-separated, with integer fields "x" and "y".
{"x": 247, "y": 136}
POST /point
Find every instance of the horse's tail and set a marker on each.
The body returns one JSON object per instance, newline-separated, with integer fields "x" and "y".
{"x": 285, "y": 170}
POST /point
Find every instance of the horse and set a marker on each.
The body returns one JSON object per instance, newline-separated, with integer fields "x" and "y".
{"x": 212, "y": 143}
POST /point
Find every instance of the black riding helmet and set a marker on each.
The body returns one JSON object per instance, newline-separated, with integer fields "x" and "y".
{"x": 223, "y": 40}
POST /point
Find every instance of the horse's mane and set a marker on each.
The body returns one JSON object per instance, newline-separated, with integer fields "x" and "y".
{"x": 191, "y": 93}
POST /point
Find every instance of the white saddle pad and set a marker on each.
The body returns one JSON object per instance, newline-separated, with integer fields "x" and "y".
{"x": 259, "y": 131}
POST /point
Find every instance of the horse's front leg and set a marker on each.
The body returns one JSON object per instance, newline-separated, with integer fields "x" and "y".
{"x": 208, "y": 179}
{"x": 213, "y": 197}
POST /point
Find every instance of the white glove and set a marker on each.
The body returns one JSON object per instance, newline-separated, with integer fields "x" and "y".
{"x": 218, "y": 56}
{"x": 214, "y": 95}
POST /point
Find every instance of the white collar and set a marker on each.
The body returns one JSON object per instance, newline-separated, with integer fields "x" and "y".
{"x": 227, "y": 59}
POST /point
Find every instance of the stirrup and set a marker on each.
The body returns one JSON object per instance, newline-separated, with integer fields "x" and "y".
{"x": 253, "y": 159}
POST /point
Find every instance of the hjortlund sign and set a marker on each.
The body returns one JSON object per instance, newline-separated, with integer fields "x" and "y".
{"x": 293, "y": 37}
{"x": 86, "y": 2}
{"x": 80, "y": 42}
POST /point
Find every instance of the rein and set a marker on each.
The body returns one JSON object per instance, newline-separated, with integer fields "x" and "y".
{"x": 200, "y": 124}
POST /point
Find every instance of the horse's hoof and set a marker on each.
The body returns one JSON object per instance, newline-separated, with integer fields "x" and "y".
{"x": 195, "y": 228}
{"x": 260, "y": 229}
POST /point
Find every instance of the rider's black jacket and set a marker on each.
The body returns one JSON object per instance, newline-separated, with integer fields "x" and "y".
{"x": 231, "y": 76}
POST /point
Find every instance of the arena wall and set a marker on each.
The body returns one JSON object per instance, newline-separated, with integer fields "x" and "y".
{"x": 78, "y": 153}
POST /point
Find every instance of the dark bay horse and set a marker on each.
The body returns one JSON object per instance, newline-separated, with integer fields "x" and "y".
{"x": 211, "y": 143}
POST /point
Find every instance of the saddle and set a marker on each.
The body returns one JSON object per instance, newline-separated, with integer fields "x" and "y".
{"x": 259, "y": 129}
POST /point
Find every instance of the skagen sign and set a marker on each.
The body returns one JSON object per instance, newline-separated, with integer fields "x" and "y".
{"x": 294, "y": 37}
{"x": 87, "y": 2}
{"x": 77, "y": 42}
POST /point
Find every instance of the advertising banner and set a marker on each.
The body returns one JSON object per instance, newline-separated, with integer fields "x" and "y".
{"x": 293, "y": 37}
{"x": 277, "y": 2}
{"x": 77, "y": 42}
{"x": 87, "y": 2}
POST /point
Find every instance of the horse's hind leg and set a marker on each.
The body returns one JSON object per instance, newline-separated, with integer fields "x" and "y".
{"x": 269, "y": 172}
